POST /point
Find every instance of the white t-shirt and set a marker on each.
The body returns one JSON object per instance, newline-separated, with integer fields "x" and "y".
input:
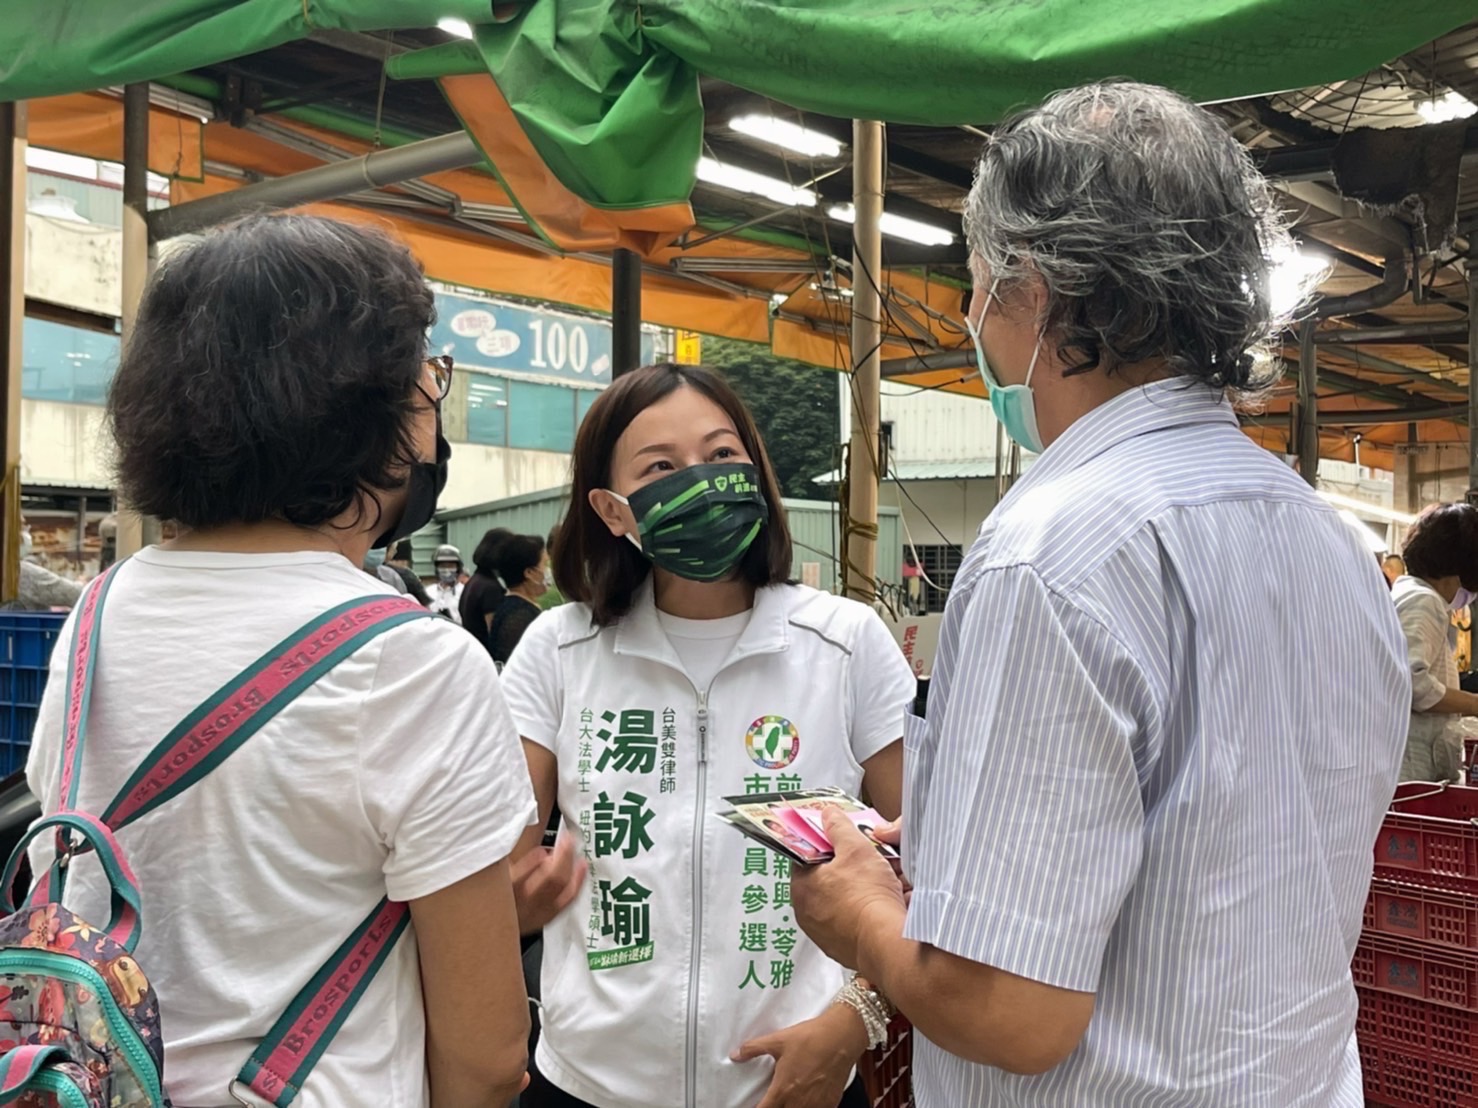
{"x": 399, "y": 772}
{"x": 703, "y": 644}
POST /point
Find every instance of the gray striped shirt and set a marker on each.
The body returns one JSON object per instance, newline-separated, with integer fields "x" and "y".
{"x": 1167, "y": 713}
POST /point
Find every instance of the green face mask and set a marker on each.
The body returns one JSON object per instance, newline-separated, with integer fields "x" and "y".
{"x": 698, "y": 522}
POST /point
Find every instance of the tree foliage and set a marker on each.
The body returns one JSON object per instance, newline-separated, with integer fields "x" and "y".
{"x": 795, "y": 405}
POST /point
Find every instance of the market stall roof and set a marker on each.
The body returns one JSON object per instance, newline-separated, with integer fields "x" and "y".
{"x": 266, "y": 88}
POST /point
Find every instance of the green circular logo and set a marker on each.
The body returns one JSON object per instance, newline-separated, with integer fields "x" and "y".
{"x": 772, "y": 742}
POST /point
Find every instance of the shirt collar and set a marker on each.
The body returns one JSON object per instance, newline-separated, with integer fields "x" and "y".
{"x": 1157, "y": 406}
{"x": 639, "y": 633}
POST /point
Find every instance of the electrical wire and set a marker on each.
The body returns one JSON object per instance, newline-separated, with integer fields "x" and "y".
{"x": 945, "y": 538}
{"x": 914, "y": 550}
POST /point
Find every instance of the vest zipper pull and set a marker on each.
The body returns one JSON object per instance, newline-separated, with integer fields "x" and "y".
{"x": 703, "y": 727}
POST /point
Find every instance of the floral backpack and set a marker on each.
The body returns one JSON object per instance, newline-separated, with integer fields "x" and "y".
{"x": 79, "y": 1021}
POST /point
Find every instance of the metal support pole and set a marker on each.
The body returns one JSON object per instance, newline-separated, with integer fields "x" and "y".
{"x": 1308, "y": 404}
{"x": 1404, "y": 334}
{"x": 1413, "y": 480}
{"x": 625, "y": 311}
{"x": 326, "y": 182}
{"x": 131, "y": 528}
{"x": 12, "y": 319}
{"x": 863, "y": 457}
{"x": 1473, "y": 376}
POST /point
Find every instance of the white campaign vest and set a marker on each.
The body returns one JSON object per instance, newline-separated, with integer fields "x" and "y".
{"x": 645, "y": 761}
{"x": 446, "y": 600}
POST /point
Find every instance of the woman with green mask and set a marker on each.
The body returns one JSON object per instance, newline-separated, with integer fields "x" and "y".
{"x": 689, "y": 668}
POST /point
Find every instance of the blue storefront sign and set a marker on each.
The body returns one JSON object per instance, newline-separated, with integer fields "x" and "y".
{"x": 511, "y": 338}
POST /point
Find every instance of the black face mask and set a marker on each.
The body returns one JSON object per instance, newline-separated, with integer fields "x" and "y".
{"x": 423, "y": 487}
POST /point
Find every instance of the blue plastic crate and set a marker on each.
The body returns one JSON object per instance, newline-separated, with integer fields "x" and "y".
{"x": 26, "y": 642}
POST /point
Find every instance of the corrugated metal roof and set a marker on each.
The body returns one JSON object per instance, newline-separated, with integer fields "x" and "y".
{"x": 927, "y": 471}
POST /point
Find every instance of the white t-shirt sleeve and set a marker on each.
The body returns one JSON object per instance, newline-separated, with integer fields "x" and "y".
{"x": 532, "y": 682}
{"x": 442, "y": 775}
{"x": 883, "y": 688}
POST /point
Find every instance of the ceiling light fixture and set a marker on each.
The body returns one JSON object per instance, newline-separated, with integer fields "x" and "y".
{"x": 757, "y": 184}
{"x": 454, "y": 26}
{"x": 1375, "y": 511}
{"x": 899, "y": 227}
{"x": 787, "y": 135}
{"x": 1449, "y": 106}
{"x": 1294, "y": 277}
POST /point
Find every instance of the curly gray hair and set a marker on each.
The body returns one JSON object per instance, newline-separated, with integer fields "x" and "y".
{"x": 1148, "y": 224}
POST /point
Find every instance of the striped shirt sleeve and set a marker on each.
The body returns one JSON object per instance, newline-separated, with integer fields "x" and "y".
{"x": 1041, "y": 813}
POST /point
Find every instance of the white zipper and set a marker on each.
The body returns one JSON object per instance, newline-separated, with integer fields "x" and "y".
{"x": 696, "y": 953}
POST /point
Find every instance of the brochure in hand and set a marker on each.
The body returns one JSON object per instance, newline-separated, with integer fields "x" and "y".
{"x": 791, "y": 823}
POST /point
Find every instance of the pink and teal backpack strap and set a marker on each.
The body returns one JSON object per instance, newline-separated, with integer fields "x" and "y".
{"x": 79, "y": 685}
{"x": 126, "y": 920}
{"x": 21, "y": 1071}
{"x": 288, "y": 1053}
{"x": 240, "y": 708}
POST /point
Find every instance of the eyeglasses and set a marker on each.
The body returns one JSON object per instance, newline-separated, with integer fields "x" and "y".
{"x": 441, "y": 368}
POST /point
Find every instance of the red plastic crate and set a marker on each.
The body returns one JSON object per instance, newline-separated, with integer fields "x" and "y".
{"x": 887, "y": 1073}
{"x": 1416, "y": 1027}
{"x": 1429, "y": 837}
{"x": 1428, "y": 915}
{"x": 1443, "y": 975}
{"x": 1397, "y": 1080}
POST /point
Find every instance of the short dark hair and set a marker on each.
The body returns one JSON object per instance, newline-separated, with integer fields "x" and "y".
{"x": 250, "y": 349}
{"x": 1443, "y": 542}
{"x": 597, "y": 568}
{"x": 485, "y": 557}
{"x": 518, "y": 555}
{"x": 402, "y": 552}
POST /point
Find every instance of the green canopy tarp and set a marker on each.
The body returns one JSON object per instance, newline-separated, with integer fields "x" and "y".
{"x": 590, "y": 81}
{"x": 596, "y": 103}
{"x": 49, "y": 47}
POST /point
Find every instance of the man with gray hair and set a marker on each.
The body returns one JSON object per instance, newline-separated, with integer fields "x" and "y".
{"x": 1170, "y": 697}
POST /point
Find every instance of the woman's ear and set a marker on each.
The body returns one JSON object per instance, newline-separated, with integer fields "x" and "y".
{"x": 613, "y": 513}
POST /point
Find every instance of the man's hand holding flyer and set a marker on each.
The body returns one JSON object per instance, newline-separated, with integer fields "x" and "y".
{"x": 791, "y": 824}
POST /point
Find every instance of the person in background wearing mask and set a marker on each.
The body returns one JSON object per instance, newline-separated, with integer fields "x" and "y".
{"x": 1441, "y": 552}
{"x": 523, "y": 565}
{"x": 400, "y": 559}
{"x": 374, "y": 565}
{"x": 483, "y": 591}
{"x": 446, "y": 590}
{"x": 1170, "y": 695}
{"x": 687, "y": 667}
{"x": 235, "y": 428}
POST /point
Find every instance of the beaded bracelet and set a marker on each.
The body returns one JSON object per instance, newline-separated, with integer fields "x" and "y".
{"x": 875, "y": 1012}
